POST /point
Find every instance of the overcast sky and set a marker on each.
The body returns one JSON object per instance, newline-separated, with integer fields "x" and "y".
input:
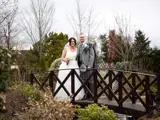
{"x": 143, "y": 14}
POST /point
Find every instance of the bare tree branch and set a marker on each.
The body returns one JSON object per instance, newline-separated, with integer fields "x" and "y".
{"x": 83, "y": 21}
{"x": 38, "y": 20}
{"x": 123, "y": 40}
{"x": 9, "y": 26}
{"x": 91, "y": 22}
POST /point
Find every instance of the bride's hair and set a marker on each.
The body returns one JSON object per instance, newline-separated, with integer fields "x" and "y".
{"x": 70, "y": 39}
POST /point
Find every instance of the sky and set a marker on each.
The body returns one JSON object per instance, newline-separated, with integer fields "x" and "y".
{"x": 141, "y": 14}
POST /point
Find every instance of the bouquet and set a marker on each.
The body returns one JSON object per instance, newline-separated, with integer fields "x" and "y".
{"x": 68, "y": 57}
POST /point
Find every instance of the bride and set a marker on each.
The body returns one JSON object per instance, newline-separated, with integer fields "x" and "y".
{"x": 68, "y": 62}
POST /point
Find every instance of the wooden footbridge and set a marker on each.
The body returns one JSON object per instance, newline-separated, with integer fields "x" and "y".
{"x": 124, "y": 92}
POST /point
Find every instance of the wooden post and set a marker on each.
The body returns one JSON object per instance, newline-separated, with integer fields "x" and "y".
{"x": 110, "y": 79}
{"x": 54, "y": 81}
{"x": 120, "y": 85}
{"x": 95, "y": 85}
{"x": 149, "y": 101}
{"x": 51, "y": 81}
{"x": 72, "y": 85}
{"x": 134, "y": 85}
{"x": 158, "y": 82}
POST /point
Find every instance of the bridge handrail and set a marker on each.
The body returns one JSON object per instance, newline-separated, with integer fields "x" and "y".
{"x": 113, "y": 69}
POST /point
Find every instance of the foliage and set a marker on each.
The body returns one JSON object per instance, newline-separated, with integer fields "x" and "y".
{"x": 154, "y": 89}
{"x": 153, "y": 61}
{"x": 141, "y": 49}
{"x": 55, "y": 64}
{"x": 49, "y": 108}
{"x": 94, "y": 112}
{"x": 39, "y": 21}
{"x": 123, "y": 65}
{"x": 36, "y": 60}
{"x": 105, "y": 46}
{"x": 8, "y": 57}
{"x": 104, "y": 43}
{"x": 3, "y": 81}
{"x": 29, "y": 91}
{"x": 124, "y": 52}
{"x": 42, "y": 63}
{"x": 141, "y": 44}
{"x": 4, "y": 55}
{"x": 53, "y": 46}
{"x": 28, "y": 59}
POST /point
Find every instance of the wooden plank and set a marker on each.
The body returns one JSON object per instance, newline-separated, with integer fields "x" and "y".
{"x": 128, "y": 108}
{"x": 128, "y": 105}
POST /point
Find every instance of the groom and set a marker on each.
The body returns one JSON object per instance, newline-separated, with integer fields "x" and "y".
{"x": 86, "y": 59}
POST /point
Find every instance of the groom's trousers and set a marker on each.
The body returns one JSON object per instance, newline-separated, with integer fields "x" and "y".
{"x": 90, "y": 82}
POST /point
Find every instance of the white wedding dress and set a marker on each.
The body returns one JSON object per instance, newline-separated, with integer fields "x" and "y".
{"x": 62, "y": 95}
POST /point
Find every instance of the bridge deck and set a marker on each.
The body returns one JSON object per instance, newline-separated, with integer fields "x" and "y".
{"x": 129, "y": 108}
{"x": 129, "y": 105}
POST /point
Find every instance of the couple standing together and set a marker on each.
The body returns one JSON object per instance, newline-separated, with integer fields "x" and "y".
{"x": 81, "y": 57}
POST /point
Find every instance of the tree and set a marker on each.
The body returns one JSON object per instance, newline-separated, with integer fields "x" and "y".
{"x": 92, "y": 24}
{"x": 8, "y": 27}
{"x": 104, "y": 43}
{"x": 141, "y": 44}
{"x": 4, "y": 55}
{"x": 153, "y": 61}
{"x": 4, "y": 5}
{"x": 38, "y": 21}
{"x": 140, "y": 49}
{"x": 8, "y": 12}
{"x": 120, "y": 43}
{"x": 53, "y": 46}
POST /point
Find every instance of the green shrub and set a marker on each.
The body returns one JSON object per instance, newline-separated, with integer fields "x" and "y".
{"x": 94, "y": 112}
{"x": 42, "y": 63}
{"x": 3, "y": 81}
{"x": 30, "y": 91}
{"x": 55, "y": 64}
{"x": 154, "y": 89}
{"x": 49, "y": 108}
{"x": 4, "y": 56}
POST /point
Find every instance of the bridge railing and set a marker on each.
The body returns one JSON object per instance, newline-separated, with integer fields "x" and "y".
{"x": 113, "y": 85}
